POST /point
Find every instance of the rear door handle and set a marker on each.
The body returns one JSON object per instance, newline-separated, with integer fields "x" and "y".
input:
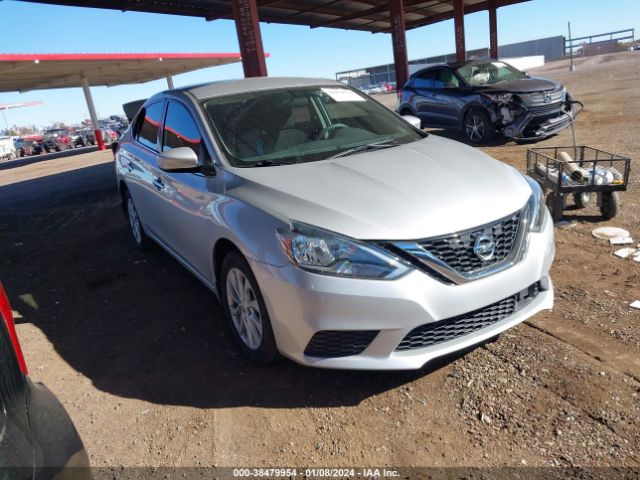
{"x": 158, "y": 183}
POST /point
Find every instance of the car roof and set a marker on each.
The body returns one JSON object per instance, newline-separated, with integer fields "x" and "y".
{"x": 232, "y": 87}
{"x": 454, "y": 65}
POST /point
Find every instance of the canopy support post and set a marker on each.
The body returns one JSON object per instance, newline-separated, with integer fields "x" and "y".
{"x": 399, "y": 40}
{"x": 92, "y": 113}
{"x": 170, "y": 82}
{"x": 458, "y": 19}
{"x": 245, "y": 13}
{"x": 493, "y": 30}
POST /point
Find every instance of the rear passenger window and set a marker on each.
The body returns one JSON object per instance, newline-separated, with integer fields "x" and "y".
{"x": 180, "y": 130}
{"x": 149, "y": 125}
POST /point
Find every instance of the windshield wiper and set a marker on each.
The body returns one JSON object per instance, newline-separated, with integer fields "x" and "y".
{"x": 264, "y": 163}
{"x": 366, "y": 146}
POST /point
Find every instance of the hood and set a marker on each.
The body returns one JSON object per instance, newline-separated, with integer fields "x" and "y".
{"x": 525, "y": 85}
{"x": 430, "y": 187}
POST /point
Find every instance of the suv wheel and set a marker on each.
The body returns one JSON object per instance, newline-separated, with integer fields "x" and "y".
{"x": 142, "y": 241}
{"x": 246, "y": 311}
{"x": 478, "y": 127}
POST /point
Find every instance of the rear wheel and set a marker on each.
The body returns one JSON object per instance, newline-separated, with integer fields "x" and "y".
{"x": 609, "y": 204}
{"x": 478, "y": 127}
{"x": 581, "y": 200}
{"x": 246, "y": 311}
{"x": 139, "y": 237}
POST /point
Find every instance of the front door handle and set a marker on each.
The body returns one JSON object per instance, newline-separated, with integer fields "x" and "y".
{"x": 158, "y": 183}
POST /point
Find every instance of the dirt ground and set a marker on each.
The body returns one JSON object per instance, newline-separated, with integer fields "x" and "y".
{"x": 136, "y": 349}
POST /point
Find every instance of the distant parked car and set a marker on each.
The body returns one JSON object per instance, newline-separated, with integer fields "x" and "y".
{"x": 30, "y": 145}
{"x": 333, "y": 231}
{"x": 7, "y": 148}
{"x": 37, "y": 437}
{"x": 635, "y": 47}
{"x": 83, "y": 137}
{"x": 109, "y": 135}
{"x": 56, "y": 140}
{"x": 485, "y": 97}
{"x": 371, "y": 89}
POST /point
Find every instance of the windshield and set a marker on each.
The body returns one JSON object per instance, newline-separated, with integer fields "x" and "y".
{"x": 297, "y": 125}
{"x": 489, "y": 73}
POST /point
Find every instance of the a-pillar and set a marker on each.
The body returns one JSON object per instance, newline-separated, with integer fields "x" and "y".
{"x": 399, "y": 39}
{"x": 92, "y": 113}
{"x": 493, "y": 29}
{"x": 245, "y": 13}
{"x": 458, "y": 20}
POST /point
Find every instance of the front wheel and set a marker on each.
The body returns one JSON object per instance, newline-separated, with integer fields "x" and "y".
{"x": 246, "y": 311}
{"x": 478, "y": 127}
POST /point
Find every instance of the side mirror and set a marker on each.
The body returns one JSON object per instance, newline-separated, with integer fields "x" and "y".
{"x": 177, "y": 159}
{"x": 413, "y": 121}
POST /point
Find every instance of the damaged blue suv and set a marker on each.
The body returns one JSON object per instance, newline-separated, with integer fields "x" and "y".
{"x": 483, "y": 98}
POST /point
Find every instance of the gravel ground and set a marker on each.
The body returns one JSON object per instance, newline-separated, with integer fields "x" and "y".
{"x": 152, "y": 379}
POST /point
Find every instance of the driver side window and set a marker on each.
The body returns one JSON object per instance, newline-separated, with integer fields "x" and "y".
{"x": 446, "y": 79}
{"x": 424, "y": 79}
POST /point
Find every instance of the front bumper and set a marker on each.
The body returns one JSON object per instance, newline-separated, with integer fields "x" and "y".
{"x": 522, "y": 131}
{"x": 301, "y": 304}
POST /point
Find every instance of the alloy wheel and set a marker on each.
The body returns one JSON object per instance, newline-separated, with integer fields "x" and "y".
{"x": 475, "y": 128}
{"x": 244, "y": 308}
{"x": 134, "y": 221}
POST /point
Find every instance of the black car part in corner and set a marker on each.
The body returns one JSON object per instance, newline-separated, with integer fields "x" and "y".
{"x": 37, "y": 438}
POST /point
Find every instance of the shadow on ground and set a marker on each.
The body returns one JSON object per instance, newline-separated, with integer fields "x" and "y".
{"x": 137, "y": 324}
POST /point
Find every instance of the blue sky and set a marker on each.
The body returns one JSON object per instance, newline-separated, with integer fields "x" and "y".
{"x": 295, "y": 50}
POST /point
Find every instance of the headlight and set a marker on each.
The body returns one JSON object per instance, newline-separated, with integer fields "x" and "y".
{"x": 327, "y": 253}
{"x": 537, "y": 208}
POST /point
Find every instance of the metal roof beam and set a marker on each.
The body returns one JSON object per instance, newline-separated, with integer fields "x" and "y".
{"x": 229, "y": 15}
{"x": 371, "y": 11}
{"x": 416, "y": 9}
{"x": 478, "y": 7}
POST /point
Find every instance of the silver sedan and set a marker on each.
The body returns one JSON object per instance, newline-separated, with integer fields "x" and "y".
{"x": 333, "y": 231}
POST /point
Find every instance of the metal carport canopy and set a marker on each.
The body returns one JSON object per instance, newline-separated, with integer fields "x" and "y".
{"x": 25, "y": 72}
{"x": 368, "y": 15}
{"x": 390, "y": 16}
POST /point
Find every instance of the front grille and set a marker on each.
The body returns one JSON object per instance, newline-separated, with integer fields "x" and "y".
{"x": 457, "y": 250}
{"x": 434, "y": 333}
{"x": 546, "y": 110}
{"x": 339, "y": 343}
{"x": 537, "y": 99}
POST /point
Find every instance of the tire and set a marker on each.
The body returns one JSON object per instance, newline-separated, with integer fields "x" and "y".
{"x": 137, "y": 232}
{"x": 581, "y": 200}
{"x": 609, "y": 204}
{"x": 245, "y": 310}
{"x": 557, "y": 216}
{"x": 478, "y": 128}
